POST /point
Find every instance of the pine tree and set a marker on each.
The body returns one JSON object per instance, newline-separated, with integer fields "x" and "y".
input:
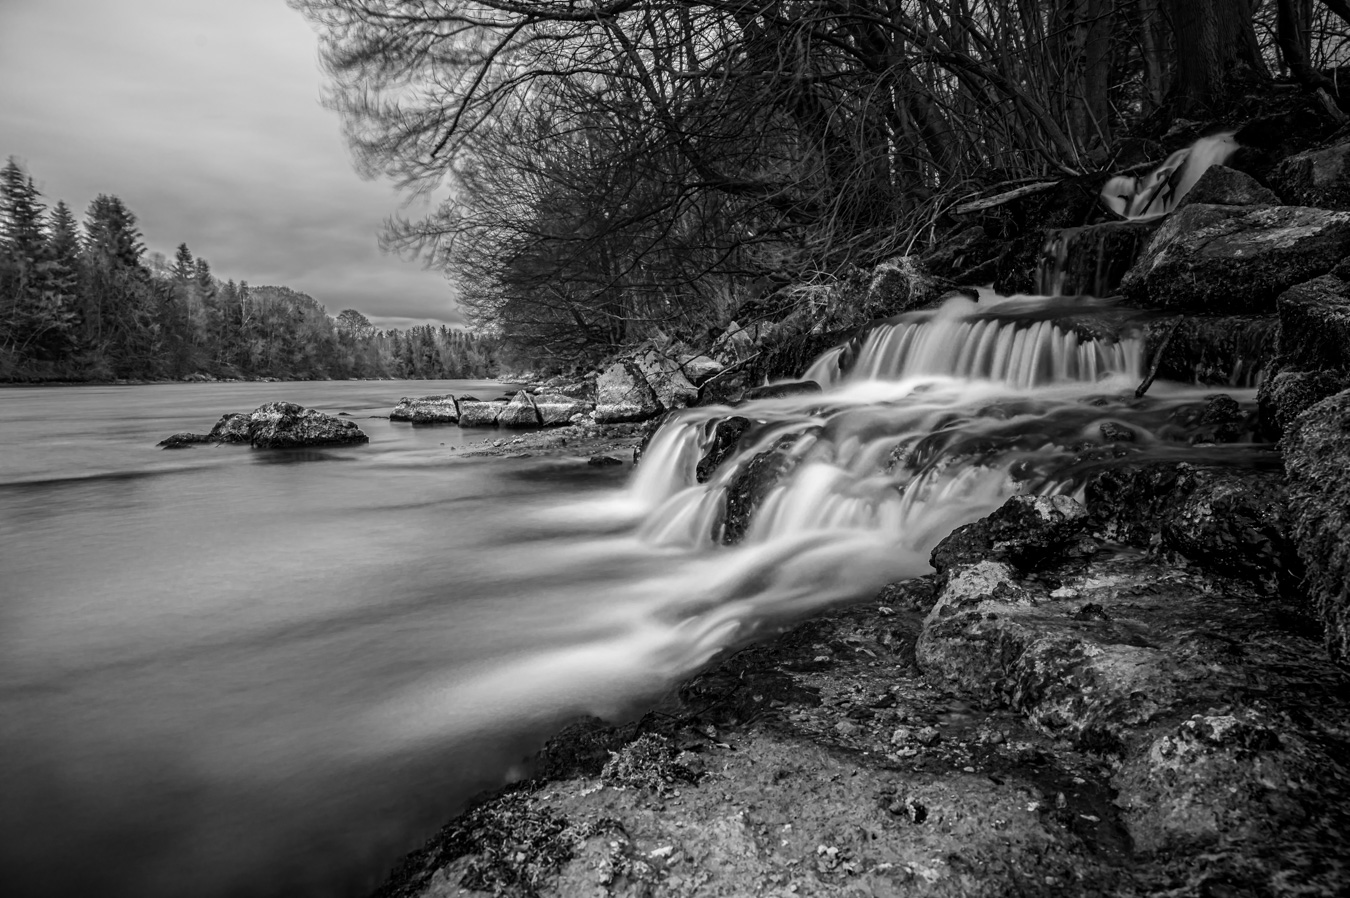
{"x": 183, "y": 264}
{"x": 22, "y": 246}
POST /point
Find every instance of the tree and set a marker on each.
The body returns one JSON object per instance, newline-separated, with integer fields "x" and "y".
{"x": 183, "y": 264}
{"x": 354, "y": 323}
{"x": 1216, "y": 48}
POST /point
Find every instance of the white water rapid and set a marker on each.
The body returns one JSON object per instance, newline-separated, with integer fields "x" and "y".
{"x": 1153, "y": 196}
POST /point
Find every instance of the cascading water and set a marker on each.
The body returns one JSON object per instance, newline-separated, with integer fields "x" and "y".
{"x": 925, "y": 422}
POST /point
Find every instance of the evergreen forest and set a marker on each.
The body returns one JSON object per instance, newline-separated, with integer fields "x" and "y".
{"x": 85, "y": 302}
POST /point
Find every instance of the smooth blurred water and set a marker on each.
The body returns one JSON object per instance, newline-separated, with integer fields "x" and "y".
{"x": 226, "y": 671}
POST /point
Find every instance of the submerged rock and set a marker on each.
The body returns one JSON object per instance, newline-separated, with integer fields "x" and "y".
{"x": 426, "y": 410}
{"x": 1215, "y": 259}
{"x": 1317, "y": 459}
{"x": 1218, "y": 350}
{"x": 283, "y": 425}
{"x": 623, "y": 395}
{"x": 183, "y": 440}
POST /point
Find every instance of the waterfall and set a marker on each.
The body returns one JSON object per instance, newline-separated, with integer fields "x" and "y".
{"x": 1153, "y": 196}
{"x": 925, "y": 421}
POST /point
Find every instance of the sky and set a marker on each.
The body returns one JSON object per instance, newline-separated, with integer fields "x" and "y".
{"x": 205, "y": 117}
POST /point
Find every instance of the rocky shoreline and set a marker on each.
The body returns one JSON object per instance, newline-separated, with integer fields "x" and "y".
{"x": 1098, "y": 720}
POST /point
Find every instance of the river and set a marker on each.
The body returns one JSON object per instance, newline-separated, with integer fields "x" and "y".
{"x": 226, "y": 671}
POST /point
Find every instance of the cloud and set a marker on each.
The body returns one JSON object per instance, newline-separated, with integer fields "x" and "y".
{"x": 204, "y": 117}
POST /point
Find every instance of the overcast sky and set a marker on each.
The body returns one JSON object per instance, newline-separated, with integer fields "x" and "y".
{"x": 204, "y": 116}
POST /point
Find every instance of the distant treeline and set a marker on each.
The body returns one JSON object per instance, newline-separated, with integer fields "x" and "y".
{"x": 82, "y": 302}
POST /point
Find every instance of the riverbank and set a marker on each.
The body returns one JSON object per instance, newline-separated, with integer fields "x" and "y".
{"x": 1176, "y": 733}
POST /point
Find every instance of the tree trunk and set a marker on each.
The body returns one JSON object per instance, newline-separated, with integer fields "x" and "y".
{"x": 1216, "y": 46}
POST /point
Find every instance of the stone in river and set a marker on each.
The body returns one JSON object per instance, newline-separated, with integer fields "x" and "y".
{"x": 281, "y": 425}
{"x": 183, "y": 440}
{"x": 476, "y": 413}
{"x": 555, "y": 409}
{"x": 231, "y": 428}
{"x": 426, "y": 410}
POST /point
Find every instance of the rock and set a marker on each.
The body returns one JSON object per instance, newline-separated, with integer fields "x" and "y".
{"x": 699, "y": 368}
{"x": 622, "y": 394}
{"x": 1223, "y": 186}
{"x": 1316, "y": 459}
{"x": 183, "y": 440}
{"x": 603, "y": 461}
{"x": 1215, "y": 259}
{"x": 477, "y": 413}
{"x": 1116, "y": 433}
{"x": 285, "y": 425}
{"x": 519, "y": 412}
{"x": 558, "y": 409}
{"x": 726, "y": 437}
{"x": 672, "y": 388}
{"x": 1234, "y": 521}
{"x": 1315, "y": 178}
{"x": 1290, "y": 393}
{"x": 1315, "y": 324}
{"x": 781, "y": 390}
{"x": 1025, "y": 532}
{"x": 1217, "y": 350}
{"x": 426, "y": 410}
{"x": 752, "y": 483}
{"x": 231, "y": 428}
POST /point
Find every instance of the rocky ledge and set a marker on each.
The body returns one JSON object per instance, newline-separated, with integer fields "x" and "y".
{"x": 276, "y": 425}
{"x": 1053, "y": 713}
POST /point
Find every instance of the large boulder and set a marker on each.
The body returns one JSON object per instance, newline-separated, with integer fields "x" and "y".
{"x": 1224, "y": 186}
{"x": 477, "y": 413}
{"x": 667, "y": 380}
{"x": 1234, "y": 521}
{"x": 519, "y": 412}
{"x": 557, "y": 409}
{"x": 1231, "y": 259}
{"x": 623, "y": 394}
{"x": 426, "y": 410}
{"x": 1025, "y": 532}
{"x": 1314, "y": 349}
{"x": 1316, "y": 460}
{"x": 699, "y": 368}
{"x": 285, "y": 425}
{"x": 1315, "y": 178}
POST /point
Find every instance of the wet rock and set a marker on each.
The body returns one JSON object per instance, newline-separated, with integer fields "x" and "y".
{"x": 726, "y": 436}
{"x": 1214, "y": 259}
{"x": 1092, "y": 260}
{"x": 519, "y": 412}
{"x": 426, "y": 410}
{"x": 558, "y": 409}
{"x": 623, "y": 394}
{"x": 965, "y": 257}
{"x": 231, "y": 428}
{"x": 1316, "y": 458}
{"x": 1116, "y": 433}
{"x": 1026, "y": 531}
{"x": 753, "y": 482}
{"x": 478, "y": 413}
{"x": 1223, "y": 186}
{"x": 603, "y": 461}
{"x": 1234, "y": 521}
{"x": 183, "y": 440}
{"x": 1315, "y": 178}
{"x": 1216, "y": 350}
{"x": 285, "y": 425}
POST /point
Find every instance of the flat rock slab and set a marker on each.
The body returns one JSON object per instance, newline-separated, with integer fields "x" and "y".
{"x": 426, "y": 410}
{"x": 1214, "y": 259}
